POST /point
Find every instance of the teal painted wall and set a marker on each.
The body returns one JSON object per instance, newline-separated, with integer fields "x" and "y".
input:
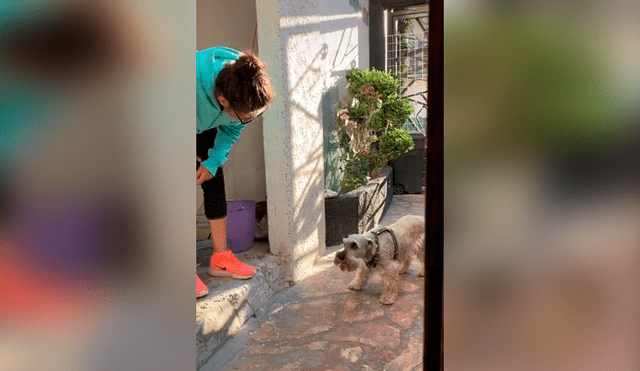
{"x": 332, "y": 173}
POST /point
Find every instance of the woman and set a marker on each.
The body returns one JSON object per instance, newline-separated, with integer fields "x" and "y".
{"x": 232, "y": 89}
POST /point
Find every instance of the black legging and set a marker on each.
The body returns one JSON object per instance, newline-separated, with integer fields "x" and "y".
{"x": 215, "y": 200}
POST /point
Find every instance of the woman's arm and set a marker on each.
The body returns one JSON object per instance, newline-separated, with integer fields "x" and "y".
{"x": 218, "y": 155}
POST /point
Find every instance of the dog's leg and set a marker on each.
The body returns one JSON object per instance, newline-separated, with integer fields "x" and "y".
{"x": 406, "y": 262}
{"x": 362, "y": 277}
{"x": 390, "y": 282}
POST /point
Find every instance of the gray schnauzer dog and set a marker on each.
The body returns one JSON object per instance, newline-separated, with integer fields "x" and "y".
{"x": 387, "y": 250}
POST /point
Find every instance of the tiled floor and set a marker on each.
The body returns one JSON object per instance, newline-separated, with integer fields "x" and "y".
{"x": 319, "y": 324}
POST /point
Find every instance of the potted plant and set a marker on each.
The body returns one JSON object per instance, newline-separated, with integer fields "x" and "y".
{"x": 370, "y": 126}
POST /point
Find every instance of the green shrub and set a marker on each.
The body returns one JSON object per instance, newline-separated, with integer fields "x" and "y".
{"x": 381, "y": 81}
{"x": 370, "y": 126}
{"x": 397, "y": 110}
{"x": 396, "y": 142}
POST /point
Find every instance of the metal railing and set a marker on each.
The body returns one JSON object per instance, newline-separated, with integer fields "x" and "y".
{"x": 407, "y": 60}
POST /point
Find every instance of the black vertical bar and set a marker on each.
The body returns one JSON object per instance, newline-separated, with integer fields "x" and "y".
{"x": 377, "y": 38}
{"x": 434, "y": 203}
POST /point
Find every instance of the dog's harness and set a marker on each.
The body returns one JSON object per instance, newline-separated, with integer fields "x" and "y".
{"x": 376, "y": 256}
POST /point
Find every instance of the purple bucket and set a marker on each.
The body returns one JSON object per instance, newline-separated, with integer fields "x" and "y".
{"x": 241, "y": 224}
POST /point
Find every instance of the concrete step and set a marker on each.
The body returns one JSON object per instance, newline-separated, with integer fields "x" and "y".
{"x": 231, "y": 303}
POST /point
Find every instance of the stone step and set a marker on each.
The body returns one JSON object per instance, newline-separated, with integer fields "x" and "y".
{"x": 231, "y": 303}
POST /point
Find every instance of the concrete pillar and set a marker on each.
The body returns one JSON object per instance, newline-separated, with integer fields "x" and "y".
{"x": 290, "y": 44}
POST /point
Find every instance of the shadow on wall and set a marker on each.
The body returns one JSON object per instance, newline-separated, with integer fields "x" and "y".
{"x": 347, "y": 56}
{"x": 311, "y": 170}
{"x": 305, "y": 85}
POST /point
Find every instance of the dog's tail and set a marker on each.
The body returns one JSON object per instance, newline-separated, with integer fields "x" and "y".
{"x": 419, "y": 246}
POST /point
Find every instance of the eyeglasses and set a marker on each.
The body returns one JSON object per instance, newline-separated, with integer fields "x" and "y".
{"x": 246, "y": 121}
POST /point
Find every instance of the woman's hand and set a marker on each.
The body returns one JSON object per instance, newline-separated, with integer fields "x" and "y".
{"x": 202, "y": 175}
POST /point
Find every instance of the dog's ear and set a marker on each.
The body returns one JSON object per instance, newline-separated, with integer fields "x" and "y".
{"x": 346, "y": 243}
{"x": 370, "y": 249}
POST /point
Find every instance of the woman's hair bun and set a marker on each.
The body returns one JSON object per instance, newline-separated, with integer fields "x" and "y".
{"x": 245, "y": 84}
{"x": 249, "y": 66}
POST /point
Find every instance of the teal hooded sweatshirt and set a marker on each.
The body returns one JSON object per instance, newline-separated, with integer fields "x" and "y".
{"x": 209, "y": 114}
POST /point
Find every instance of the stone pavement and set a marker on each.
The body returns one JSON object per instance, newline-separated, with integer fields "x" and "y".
{"x": 319, "y": 324}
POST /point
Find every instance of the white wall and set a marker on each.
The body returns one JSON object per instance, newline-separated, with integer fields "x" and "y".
{"x": 309, "y": 45}
{"x": 232, "y": 24}
{"x": 346, "y": 36}
{"x": 289, "y": 36}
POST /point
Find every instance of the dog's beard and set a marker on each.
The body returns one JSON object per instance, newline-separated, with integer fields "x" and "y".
{"x": 344, "y": 266}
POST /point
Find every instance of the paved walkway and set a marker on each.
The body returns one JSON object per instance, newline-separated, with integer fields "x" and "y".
{"x": 319, "y": 324}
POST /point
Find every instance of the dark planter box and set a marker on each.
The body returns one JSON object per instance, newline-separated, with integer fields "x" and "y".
{"x": 359, "y": 210}
{"x": 408, "y": 169}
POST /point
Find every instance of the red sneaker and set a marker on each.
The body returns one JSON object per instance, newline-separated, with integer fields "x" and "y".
{"x": 201, "y": 288}
{"x": 225, "y": 264}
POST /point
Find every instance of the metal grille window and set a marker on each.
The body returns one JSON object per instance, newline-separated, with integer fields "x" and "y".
{"x": 407, "y": 61}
